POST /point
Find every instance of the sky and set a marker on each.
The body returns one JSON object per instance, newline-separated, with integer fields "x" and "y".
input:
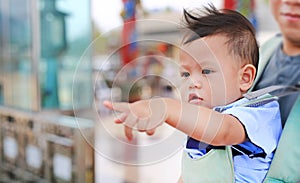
{"x": 107, "y": 15}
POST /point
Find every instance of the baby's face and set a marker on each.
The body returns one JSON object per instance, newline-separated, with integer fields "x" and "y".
{"x": 210, "y": 75}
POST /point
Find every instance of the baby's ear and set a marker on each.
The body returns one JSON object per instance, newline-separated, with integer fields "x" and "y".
{"x": 247, "y": 75}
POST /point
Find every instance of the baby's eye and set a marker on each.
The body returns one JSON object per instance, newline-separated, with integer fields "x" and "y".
{"x": 206, "y": 71}
{"x": 185, "y": 74}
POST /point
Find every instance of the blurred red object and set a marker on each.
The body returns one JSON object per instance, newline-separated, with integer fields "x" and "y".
{"x": 230, "y": 4}
{"x": 129, "y": 34}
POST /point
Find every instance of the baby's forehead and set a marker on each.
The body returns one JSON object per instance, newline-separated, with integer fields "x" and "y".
{"x": 196, "y": 48}
{"x": 198, "y": 59}
{"x": 210, "y": 49}
{"x": 206, "y": 43}
{"x": 206, "y": 46}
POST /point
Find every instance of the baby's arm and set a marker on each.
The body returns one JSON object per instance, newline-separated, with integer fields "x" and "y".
{"x": 198, "y": 122}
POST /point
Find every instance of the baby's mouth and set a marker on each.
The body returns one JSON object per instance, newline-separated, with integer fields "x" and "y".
{"x": 194, "y": 99}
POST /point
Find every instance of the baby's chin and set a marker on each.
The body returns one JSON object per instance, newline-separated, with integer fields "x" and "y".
{"x": 199, "y": 103}
{"x": 196, "y": 102}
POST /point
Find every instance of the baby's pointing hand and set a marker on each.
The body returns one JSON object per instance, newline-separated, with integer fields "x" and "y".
{"x": 145, "y": 115}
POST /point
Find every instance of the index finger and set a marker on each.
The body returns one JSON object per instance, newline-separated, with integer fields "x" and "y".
{"x": 117, "y": 106}
{"x": 108, "y": 104}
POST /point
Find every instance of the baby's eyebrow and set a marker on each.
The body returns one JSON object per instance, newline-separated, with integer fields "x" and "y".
{"x": 184, "y": 66}
{"x": 208, "y": 63}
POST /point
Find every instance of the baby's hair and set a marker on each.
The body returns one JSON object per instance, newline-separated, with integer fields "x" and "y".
{"x": 239, "y": 31}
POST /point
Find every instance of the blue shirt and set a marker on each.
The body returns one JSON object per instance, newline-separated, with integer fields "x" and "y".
{"x": 262, "y": 124}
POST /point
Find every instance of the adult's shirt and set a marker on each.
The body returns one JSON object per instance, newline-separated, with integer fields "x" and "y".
{"x": 281, "y": 70}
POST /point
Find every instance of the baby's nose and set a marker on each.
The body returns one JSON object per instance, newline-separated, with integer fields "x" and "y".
{"x": 195, "y": 83}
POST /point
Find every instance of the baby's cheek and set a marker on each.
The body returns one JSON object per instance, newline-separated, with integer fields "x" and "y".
{"x": 219, "y": 98}
{"x": 184, "y": 94}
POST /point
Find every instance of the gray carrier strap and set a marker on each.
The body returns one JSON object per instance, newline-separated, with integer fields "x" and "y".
{"x": 283, "y": 91}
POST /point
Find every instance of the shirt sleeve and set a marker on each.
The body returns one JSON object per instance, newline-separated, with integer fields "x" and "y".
{"x": 262, "y": 124}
